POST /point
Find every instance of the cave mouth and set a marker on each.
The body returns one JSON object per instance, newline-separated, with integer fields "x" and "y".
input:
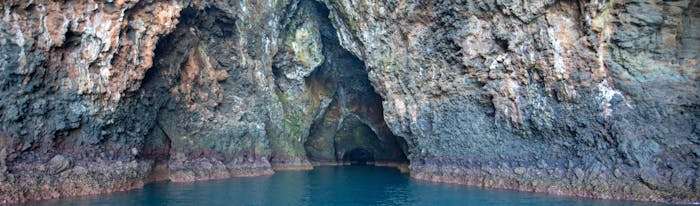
{"x": 351, "y": 129}
{"x": 358, "y": 156}
{"x": 345, "y": 124}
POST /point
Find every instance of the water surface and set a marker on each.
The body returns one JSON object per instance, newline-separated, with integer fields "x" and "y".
{"x": 341, "y": 185}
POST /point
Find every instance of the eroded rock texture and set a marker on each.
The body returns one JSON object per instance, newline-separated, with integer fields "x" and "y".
{"x": 589, "y": 98}
{"x": 72, "y": 118}
{"x": 212, "y": 95}
{"x": 340, "y": 111}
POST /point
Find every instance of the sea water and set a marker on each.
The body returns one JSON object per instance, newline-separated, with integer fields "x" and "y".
{"x": 331, "y": 185}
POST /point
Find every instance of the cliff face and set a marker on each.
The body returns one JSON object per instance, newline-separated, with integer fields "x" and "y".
{"x": 595, "y": 99}
{"x": 71, "y": 114}
{"x": 586, "y": 98}
{"x": 80, "y": 115}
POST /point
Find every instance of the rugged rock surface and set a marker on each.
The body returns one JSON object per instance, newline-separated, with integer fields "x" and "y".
{"x": 588, "y": 98}
{"x": 330, "y": 89}
{"x": 212, "y": 94}
{"x": 70, "y": 79}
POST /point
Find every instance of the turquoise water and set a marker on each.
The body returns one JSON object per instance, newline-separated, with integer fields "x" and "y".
{"x": 343, "y": 185}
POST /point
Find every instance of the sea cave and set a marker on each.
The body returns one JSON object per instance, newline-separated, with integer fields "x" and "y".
{"x": 352, "y": 102}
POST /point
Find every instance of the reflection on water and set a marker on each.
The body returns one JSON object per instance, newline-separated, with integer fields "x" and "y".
{"x": 343, "y": 185}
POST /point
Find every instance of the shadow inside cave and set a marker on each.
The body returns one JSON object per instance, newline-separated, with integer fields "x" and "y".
{"x": 358, "y": 156}
{"x": 351, "y": 130}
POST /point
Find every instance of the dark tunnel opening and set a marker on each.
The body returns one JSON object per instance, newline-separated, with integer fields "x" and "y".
{"x": 358, "y": 156}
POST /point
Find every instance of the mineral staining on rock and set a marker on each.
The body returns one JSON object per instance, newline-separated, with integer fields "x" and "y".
{"x": 209, "y": 104}
{"x": 588, "y": 98}
{"x": 583, "y": 98}
{"x": 70, "y": 74}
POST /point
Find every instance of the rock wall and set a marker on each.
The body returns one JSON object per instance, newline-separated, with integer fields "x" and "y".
{"x": 90, "y": 105}
{"x": 212, "y": 93}
{"x": 70, "y": 76}
{"x": 587, "y": 98}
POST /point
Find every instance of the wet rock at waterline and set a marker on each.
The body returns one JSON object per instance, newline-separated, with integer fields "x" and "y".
{"x": 587, "y": 98}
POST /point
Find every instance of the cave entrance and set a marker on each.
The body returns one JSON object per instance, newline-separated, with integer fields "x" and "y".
{"x": 350, "y": 127}
{"x": 358, "y": 156}
{"x": 326, "y": 110}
